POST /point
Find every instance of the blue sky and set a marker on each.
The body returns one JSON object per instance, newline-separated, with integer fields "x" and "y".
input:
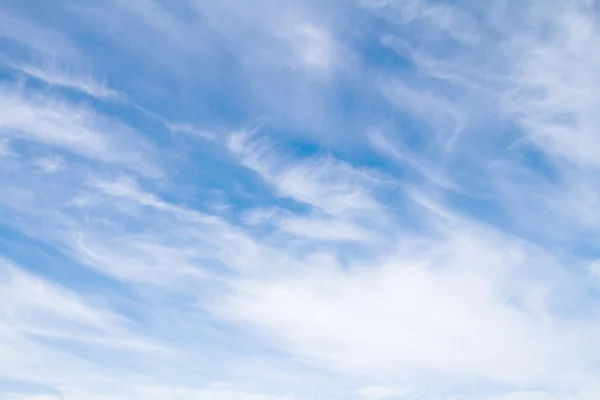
{"x": 299, "y": 200}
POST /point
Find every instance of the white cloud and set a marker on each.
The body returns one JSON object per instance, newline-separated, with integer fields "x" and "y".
{"x": 159, "y": 393}
{"x": 325, "y": 229}
{"x": 64, "y": 78}
{"x": 467, "y": 306}
{"x": 50, "y": 165}
{"x": 75, "y": 128}
{"x": 332, "y": 186}
{"x": 155, "y": 392}
{"x": 437, "y": 20}
{"x": 381, "y": 392}
{"x": 26, "y": 297}
{"x": 594, "y": 268}
{"x": 32, "y": 397}
{"x": 429, "y": 172}
{"x": 190, "y": 130}
{"x": 312, "y": 46}
{"x": 313, "y": 226}
{"x": 37, "y": 315}
{"x": 555, "y": 81}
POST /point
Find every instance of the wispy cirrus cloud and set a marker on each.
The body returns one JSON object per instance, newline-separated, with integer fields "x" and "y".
{"x": 325, "y": 183}
{"x": 32, "y": 116}
{"x": 413, "y": 218}
{"x": 54, "y": 76}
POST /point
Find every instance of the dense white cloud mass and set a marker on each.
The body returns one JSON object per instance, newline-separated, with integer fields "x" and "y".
{"x": 256, "y": 200}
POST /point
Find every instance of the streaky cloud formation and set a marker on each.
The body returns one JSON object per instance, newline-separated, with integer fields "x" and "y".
{"x": 364, "y": 200}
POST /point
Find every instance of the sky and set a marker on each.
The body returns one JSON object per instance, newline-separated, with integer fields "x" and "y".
{"x": 299, "y": 200}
